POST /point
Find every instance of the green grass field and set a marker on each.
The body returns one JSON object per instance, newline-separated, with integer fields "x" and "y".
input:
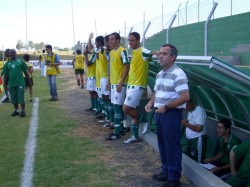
{"x": 61, "y": 159}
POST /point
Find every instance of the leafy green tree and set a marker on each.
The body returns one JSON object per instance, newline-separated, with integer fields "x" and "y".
{"x": 19, "y": 45}
{"x": 31, "y": 45}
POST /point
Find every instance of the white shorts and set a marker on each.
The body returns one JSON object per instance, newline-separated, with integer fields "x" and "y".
{"x": 91, "y": 84}
{"x": 118, "y": 98}
{"x": 104, "y": 90}
{"x": 133, "y": 96}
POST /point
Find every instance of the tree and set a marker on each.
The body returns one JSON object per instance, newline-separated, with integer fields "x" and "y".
{"x": 19, "y": 45}
{"x": 31, "y": 44}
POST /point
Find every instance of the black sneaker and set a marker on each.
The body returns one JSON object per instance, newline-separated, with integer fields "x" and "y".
{"x": 97, "y": 112}
{"x": 31, "y": 100}
{"x": 82, "y": 86}
{"x": 172, "y": 184}
{"x": 6, "y": 100}
{"x": 113, "y": 136}
{"x": 22, "y": 114}
{"x": 89, "y": 109}
{"x": 160, "y": 177}
{"x": 15, "y": 113}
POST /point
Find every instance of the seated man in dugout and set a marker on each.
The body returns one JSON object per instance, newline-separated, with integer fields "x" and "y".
{"x": 240, "y": 172}
{"x": 227, "y": 142}
{"x": 195, "y": 131}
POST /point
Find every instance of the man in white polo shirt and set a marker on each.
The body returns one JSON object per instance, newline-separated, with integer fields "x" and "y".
{"x": 195, "y": 131}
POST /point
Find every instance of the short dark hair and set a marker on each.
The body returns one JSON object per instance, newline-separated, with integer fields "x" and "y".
{"x": 106, "y": 38}
{"x": 48, "y": 47}
{"x": 117, "y": 36}
{"x": 78, "y": 51}
{"x": 26, "y": 57}
{"x": 7, "y": 52}
{"x": 173, "y": 52}
{"x": 100, "y": 39}
{"x": 136, "y": 35}
{"x": 226, "y": 123}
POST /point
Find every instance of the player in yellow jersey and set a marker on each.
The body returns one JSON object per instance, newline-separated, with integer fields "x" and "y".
{"x": 137, "y": 82}
{"x": 52, "y": 62}
{"x": 29, "y": 83}
{"x": 91, "y": 76}
{"x": 119, "y": 68}
{"x": 78, "y": 64}
{"x": 7, "y": 58}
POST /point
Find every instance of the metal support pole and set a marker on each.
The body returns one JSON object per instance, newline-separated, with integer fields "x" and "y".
{"x": 162, "y": 16}
{"x": 144, "y": 34}
{"x": 231, "y": 7}
{"x": 179, "y": 14}
{"x": 198, "y": 11}
{"x": 186, "y": 11}
{"x": 170, "y": 25}
{"x": 206, "y": 27}
{"x": 26, "y": 25}
{"x": 73, "y": 24}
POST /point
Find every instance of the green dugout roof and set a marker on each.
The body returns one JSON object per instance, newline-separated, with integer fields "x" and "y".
{"x": 222, "y": 89}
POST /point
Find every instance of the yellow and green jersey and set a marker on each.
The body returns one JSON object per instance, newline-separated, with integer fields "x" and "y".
{"x": 91, "y": 70}
{"x": 118, "y": 58}
{"x": 138, "y": 72}
{"x": 29, "y": 65}
{"x": 79, "y": 62}
{"x": 101, "y": 60}
{"x": 5, "y": 65}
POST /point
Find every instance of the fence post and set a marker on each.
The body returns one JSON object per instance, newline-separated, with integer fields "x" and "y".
{"x": 170, "y": 25}
{"x": 144, "y": 34}
{"x": 206, "y": 27}
{"x": 186, "y": 11}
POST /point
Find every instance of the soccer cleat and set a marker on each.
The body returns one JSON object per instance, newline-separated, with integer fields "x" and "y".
{"x": 132, "y": 140}
{"x": 97, "y": 112}
{"x": 108, "y": 124}
{"x": 113, "y": 136}
{"x": 6, "y": 100}
{"x": 101, "y": 116}
{"x": 15, "y": 113}
{"x": 22, "y": 113}
{"x": 89, "y": 109}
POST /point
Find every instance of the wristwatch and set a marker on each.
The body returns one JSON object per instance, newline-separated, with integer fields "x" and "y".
{"x": 167, "y": 107}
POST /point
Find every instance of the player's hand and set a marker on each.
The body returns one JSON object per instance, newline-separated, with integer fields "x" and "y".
{"x": 148, "y": 107}
{"x": 119, "y": 88}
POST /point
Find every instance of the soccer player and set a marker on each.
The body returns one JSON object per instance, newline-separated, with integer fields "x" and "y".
{"x": 7, "y": 58}
{"x": 78, "y": 64}
{"x": 91, "y": 77}
{"x": 137, "y": 82}
{"x": 119, "y": 68}
{"x": 14, "y": 81}
{"x": 29, "y": 83}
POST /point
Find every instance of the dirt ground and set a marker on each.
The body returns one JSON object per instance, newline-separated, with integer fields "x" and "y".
{"x": 137, "y": 162}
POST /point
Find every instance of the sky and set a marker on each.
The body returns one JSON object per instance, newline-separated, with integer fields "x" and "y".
{"x": 51, "y": 21}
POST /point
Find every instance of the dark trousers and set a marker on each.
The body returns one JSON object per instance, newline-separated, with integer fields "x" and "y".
{"x": 169, "y": 137}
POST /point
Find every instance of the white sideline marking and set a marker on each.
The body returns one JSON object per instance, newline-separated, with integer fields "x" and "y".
{"x": 27, "y": 172}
